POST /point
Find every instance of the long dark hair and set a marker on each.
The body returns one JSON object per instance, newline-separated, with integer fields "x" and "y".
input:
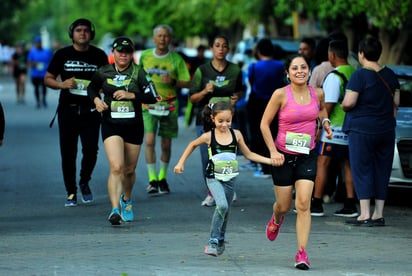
{"x": 211, "y": 110}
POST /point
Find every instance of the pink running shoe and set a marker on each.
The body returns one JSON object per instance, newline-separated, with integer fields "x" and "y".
{"x": 301, "y": 260}
{"x": 272, "y": 229}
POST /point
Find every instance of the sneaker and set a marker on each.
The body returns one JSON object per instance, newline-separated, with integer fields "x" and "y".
{"x": 163, "y": 187}
{"x": 301, "y": 260}
{"x": 272, "y": 229}
{"x": 209, "y": 201}
{"x": 316, "y": 210}
{"x": 348, "y": 212}
{"x": 126, "y": 209}
{"x": 153, "y": 187}
{"x": 220, "y": 247}
{"x": 71, "y": 201}
{"x": 87, "y": 196}
{"x": 114, "y": 217}
{"x": 211, "y": 249}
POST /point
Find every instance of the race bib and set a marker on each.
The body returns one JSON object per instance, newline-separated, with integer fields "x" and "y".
{"x": 338, "y": 137}
{"x": 160, "y": 108}
{"x": 226, "y": 166}
{"x": 81, "y": 87}
{"x": 298, "y": 142}
{"x": 226, "y": 170}
{"x": 40, "y": 66}
{"x": 122, "y": 109}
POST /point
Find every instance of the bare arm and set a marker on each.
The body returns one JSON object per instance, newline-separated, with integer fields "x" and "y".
{"x": 276, "y": 102}
{"x": 197, "y": 97}
{"x": 396, "y": 101}
{"x": 350, "y": 100}
{"x": 203, "y": 139}
{"x": 323, "y": 112}
{"x": 52, "y": 81}
{"x": 247, "y": 153}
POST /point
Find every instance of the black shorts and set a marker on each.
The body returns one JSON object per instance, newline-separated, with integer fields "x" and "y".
{"x": 18, "y": 72}
{"x": 296, "y": 167}
{"x": 333, "y": 150}
{"x": 131, "y": 133}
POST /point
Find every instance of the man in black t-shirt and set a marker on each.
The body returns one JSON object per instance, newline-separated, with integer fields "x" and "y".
{"x": 71, "y": 70}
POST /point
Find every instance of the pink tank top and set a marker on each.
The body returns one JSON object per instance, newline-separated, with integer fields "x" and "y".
{"x": 297, "y": 118}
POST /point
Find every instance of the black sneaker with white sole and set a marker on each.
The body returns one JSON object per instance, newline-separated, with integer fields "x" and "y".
{"x": 316, "y": 210}
{"x": 153, "y": 187}
{"x": 347, "y": 212}
{"x": 163, "y": 187}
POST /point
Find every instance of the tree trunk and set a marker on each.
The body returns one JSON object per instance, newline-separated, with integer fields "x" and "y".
{"x": 392, "y": 52}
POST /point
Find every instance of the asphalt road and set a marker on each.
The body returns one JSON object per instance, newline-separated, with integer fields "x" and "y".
{"x": 39, "y": 236}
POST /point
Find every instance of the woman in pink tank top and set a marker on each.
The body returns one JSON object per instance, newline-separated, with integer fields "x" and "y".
{"x": 298, "y": 107}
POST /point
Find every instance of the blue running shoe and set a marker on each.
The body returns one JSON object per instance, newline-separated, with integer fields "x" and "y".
{"x": 71, "y": 201}
{"x": 87, "y": 196}
{"x": 114, "y": 217}
{"x": 127, "y": 209}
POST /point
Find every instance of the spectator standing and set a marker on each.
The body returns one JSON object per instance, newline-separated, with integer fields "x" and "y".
{"x": 71, "y": 70}
{"x": 214, "y": 81}
{"x": 337, "y": 147}
{"x": 125, "y": 86}
{"x": 323, "y": 66}
{"x": 293, "y": 151}
{"x": 265, "y": 76}
{"x": 38, "y": 60}
{"x": 223, "y": 143}
{"x": 371, "y": 102}
{"x": 168, "y": 71}
{"x": 19, "y": 67}
{"x": 194, "y": 63}
{"x": 307, "y": 48}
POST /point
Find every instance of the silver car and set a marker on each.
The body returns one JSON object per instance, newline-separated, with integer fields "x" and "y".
{"x": 402, "y": 163}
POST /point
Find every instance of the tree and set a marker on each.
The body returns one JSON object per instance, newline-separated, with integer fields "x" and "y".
{"x": 389, "y": 20}
{"x": 10, "y": 19}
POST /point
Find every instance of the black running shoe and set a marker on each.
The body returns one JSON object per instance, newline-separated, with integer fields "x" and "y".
{"x": 87, "y": 196}
{"x": 347, "y": 212}
{"x": 316, "y": 210}
{"x": 163, "y": 187}
{"x": 153, "y": 187}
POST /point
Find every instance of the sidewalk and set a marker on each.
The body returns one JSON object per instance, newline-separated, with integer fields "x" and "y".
{"x": 38, "y": 236}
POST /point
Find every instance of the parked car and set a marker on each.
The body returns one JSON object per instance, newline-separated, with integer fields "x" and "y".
{"x": 402, "y": 163}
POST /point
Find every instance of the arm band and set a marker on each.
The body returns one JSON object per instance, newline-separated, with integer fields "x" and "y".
{"x": 325, "y": 120}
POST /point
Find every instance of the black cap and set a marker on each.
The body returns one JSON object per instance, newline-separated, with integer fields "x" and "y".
{"x": 123, "y": 44}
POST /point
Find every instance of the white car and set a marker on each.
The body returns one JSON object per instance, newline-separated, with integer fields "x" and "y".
{"x": 401, "y": 176}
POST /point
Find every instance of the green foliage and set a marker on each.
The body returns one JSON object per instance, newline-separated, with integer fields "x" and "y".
{"x": 204, "y": 18}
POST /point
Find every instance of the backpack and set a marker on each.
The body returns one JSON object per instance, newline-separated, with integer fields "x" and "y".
{"x": 343, "y": 78}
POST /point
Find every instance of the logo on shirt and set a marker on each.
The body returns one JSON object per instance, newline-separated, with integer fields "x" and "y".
{"x": 79, "y": 66}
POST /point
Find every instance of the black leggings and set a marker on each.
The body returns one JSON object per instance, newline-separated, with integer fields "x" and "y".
{"x": 39, "y": 83}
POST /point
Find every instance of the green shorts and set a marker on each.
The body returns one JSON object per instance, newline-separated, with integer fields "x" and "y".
{"x": 166, "y": 126}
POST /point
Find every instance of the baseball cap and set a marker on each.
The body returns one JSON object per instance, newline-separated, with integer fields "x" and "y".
{"x": 123, "y": 44}
{"x": 37, "y": 39}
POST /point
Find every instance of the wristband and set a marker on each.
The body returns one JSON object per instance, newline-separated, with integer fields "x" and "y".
{"x": 325, "y": 120}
